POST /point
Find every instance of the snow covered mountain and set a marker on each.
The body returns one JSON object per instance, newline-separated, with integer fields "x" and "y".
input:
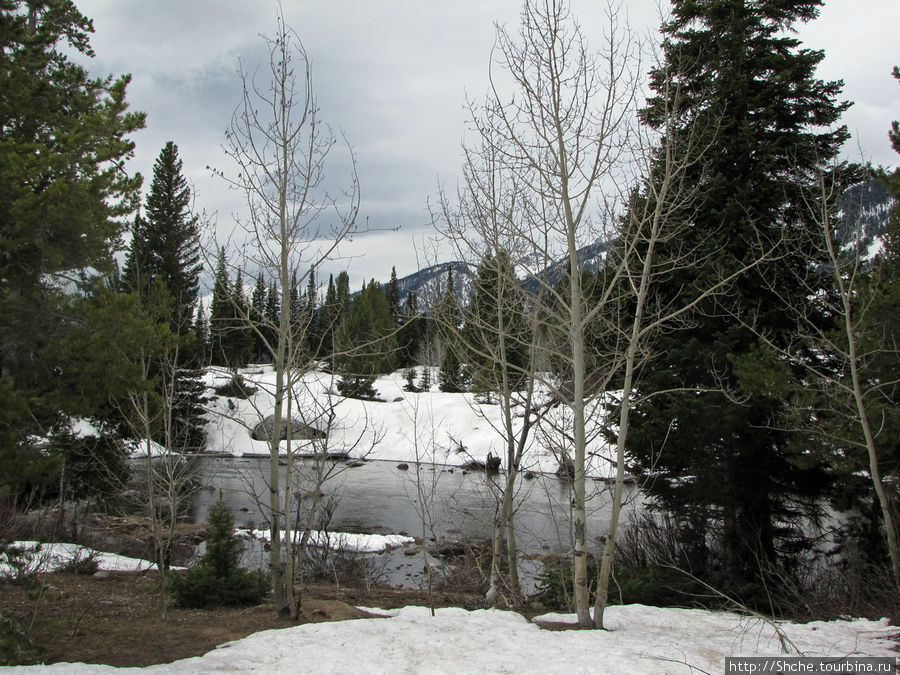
{"x": 864, "y": 215}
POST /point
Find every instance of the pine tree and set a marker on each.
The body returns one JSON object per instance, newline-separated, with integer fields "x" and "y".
{"x": 411, "y": 332}
{"x": 258, "y": 316}
{"x": 64, "y": 195}
{"x": 728, "y": 472}
{"x": 369, "y": 342}
{"x": 239, "y": 338}
{"x": 201, "y": 333}
{"x": 220, "y": 312}
{"x": 272, "y": 313}
{"x": 165, "y": 245}
{"x": 495, "y": 337}
{"x": 451, "y": 378}
{"x": 165, "y": 254}
{"x": 311, "y": 300}
{"x": 394, "y": 297}
{"x": 328, "y": 318}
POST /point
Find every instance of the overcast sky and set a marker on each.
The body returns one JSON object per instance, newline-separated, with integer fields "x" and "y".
{"x": 393, "y": 76}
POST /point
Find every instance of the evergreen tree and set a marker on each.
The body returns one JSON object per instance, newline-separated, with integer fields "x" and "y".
{"x": 201, "y": 333}
{"x": 220, "y": 312}
{"x": 231, "y": 340}
{"x": 328, "y": 317}
{"x": 165, "y": 254}
{"x": 342, "y": 297}
{"x": 728, "y": 471}
{"x": 451, "y": 377}
{"x": 495, "y": 338}
{"x": 272, "y": 313}
{"x": 394, "y": 297}
{"x": 369, "y": 342}
{"x": 239, "y": 339}
{"x": 312, "y": 327}
{"x": 411, "y": 332}
{"x": 219, "y": 579}
{"x": 258, "y": 316}
{"x": 64, "y": 138}
{"x": 166, "y": 245}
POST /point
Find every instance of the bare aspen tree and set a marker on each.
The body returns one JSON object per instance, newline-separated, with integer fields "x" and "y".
{"x": 560, "y": 164}
{"x": 499, "y": 332}
{"x": 293, "y": 223}
{"x": 167, "y": 473}
{"x": 839, "y": 354}
{"x": 560, "y": 132}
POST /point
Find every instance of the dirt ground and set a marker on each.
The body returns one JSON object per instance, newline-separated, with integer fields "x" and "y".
{"x": 119, "y": 620}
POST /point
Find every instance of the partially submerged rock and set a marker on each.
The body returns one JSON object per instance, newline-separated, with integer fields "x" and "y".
{"x": 300, "y": 431}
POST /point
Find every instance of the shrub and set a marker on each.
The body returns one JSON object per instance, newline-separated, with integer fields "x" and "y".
{"x": 554, "y": 582}
{"x": 16, "y": 647}
{"x": 201, "y": 587}
{"x": 410, "y": 386}
{"x": 20, "y": 564}
{"x": 82, "y": 563}
{"x": 237, "y": 387}
{"x": 218, "y": 580}
{"x": 357, "y": 386}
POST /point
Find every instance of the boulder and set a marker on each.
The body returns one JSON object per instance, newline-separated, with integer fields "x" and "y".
{"x": 299, "y": 430}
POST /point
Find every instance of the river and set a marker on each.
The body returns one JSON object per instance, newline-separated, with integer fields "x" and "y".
{"x": 377, "y": 497}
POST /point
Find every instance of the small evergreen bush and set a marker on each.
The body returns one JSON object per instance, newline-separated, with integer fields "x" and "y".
{"x": 410, "y": 386}
{"x": 236, "y": 387}
{"x": 16, "y": 646}
{"x": 357, "y": 386}
{"x": 218, "y": 580}
{"x": 425, "y": 379}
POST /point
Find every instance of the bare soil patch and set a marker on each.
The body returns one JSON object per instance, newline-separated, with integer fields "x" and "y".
{"x": 119, "y": 620}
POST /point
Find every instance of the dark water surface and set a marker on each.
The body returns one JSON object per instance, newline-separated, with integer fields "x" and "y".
{"x": 379, "y": 498}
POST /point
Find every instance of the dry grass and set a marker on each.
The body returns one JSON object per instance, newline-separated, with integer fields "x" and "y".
{"x": 118, "y": 620}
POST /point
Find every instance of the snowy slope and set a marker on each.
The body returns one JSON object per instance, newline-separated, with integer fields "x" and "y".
{"x": 640, "y": 640}
{"x": 430, "y": 426}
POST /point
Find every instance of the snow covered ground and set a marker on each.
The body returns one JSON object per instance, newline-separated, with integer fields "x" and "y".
{"x": 430, "y": 426}
{"x": 640, "y": 639}
{"x": 51, "y": 557}
{"x": 343, "y": 541}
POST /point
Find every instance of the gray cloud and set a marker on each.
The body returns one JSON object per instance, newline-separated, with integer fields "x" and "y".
{"x": 393, "y": 76}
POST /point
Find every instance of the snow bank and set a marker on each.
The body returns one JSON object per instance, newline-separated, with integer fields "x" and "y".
{"x": 51, "y": 557}
{"x": 405, "y": 426}
{"x": 344, "y": 541}
{"x": 640, "y": 640}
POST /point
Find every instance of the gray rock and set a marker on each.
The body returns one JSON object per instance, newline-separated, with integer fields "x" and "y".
{"x": 299, "y": 430}
{"x": 101, "y": 575}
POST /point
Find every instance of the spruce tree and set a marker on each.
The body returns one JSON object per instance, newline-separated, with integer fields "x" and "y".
{"x": 223, "y": 313}
{"x": 327, "y": 320}
{"x": 410, "y": 333}
{"x": 494, "y": 335}
{"x": 272, "y": 313}
{"x": 727, "y": 470}
{"x": 367, "y": 336}
{"x": 451, "y": 378}
{"x": 239, "y": 337}
{"x": 394, "y": 297}
{"x": 165, "y": 244}
{"x": 64, "y": 198}
{"x": 258, "y": 317}
{"x": 312, "y": 317}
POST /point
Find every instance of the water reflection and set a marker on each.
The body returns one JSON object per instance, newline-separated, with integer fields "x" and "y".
{"x": 379, "y": 498}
